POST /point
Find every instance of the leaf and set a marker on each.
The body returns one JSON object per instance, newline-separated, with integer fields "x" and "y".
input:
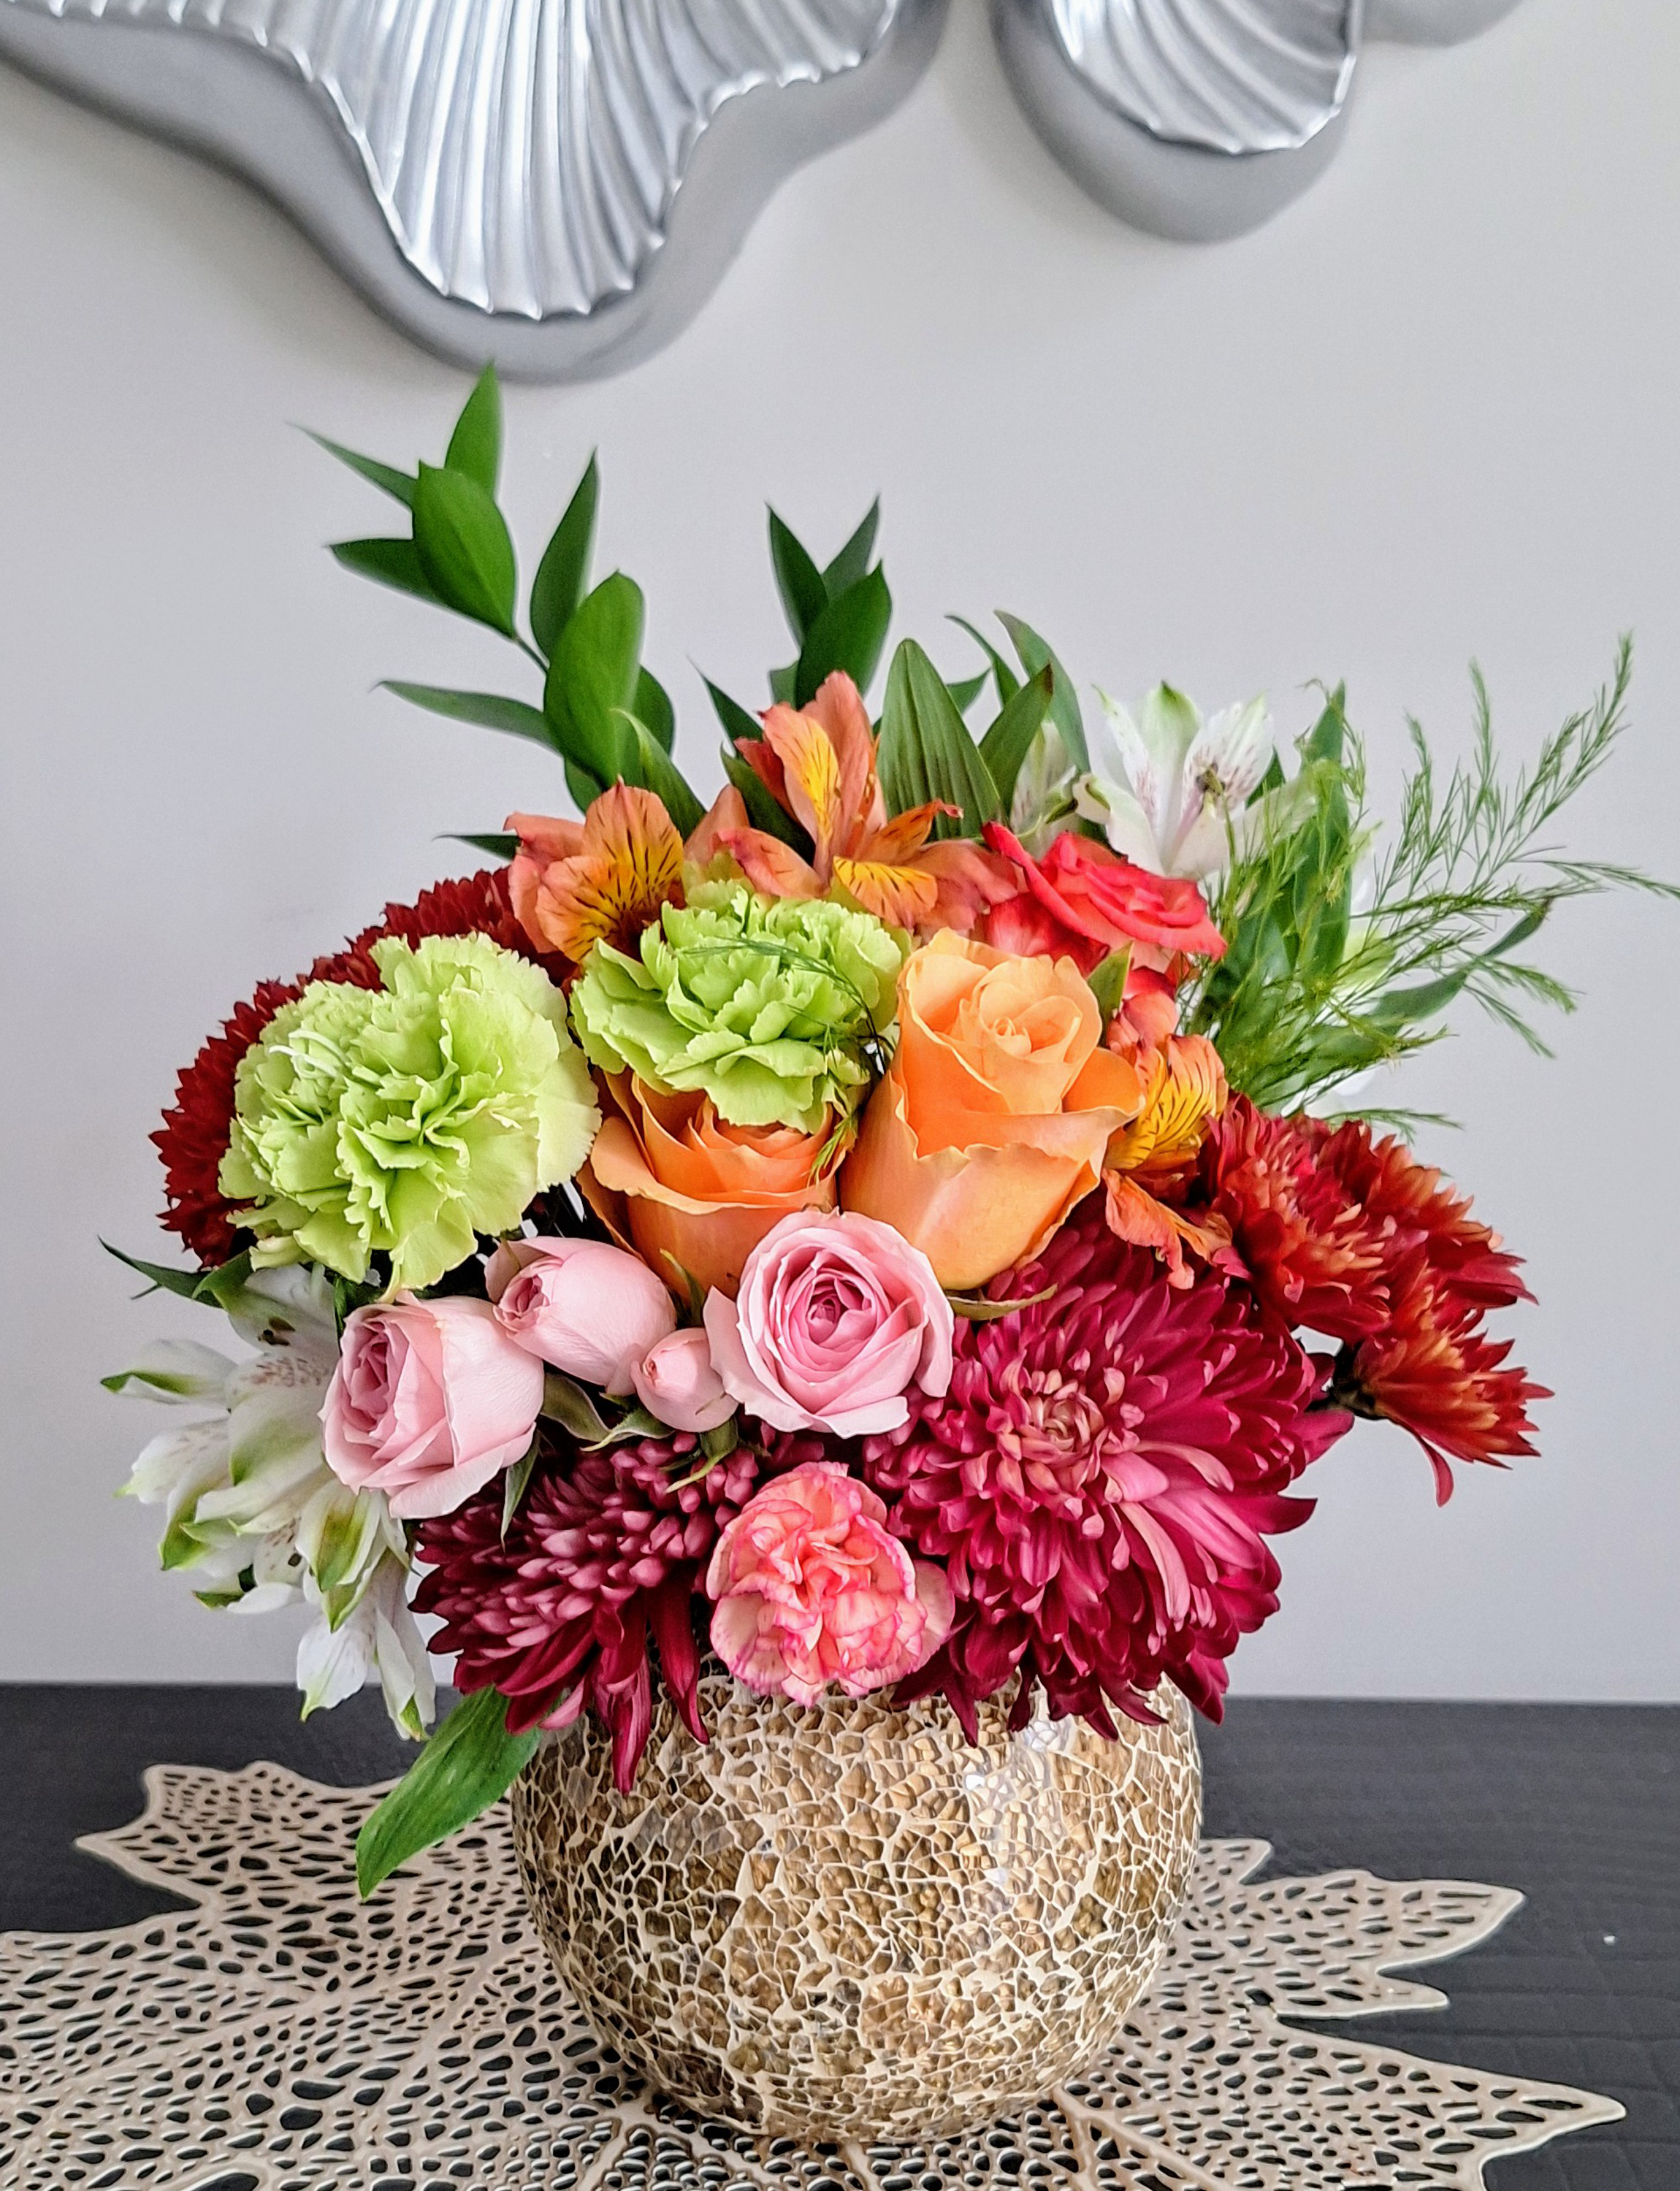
{"x": 400, "y": 486}
{"x": 592, "y": 680}
{"x": 497, "y": 842}
{"x": 1007, "y": 745}
{"x": 966, "y": 690}
{"x": 737, "y": 723}
{"x": 653, "y": 707}
{"x": 563, "y": 575}
{"x": 517, "y": 1483}
{"x": 567, "y": 1402}
{"x": 718, "y": 1444}
{"x": 1108, "y": 982}
{"x": 654, "y": 768}
{"x": 798, "y": 580}
{"x": 853, "y": 560}
{"x": 488, "y": 709}
{"x": 475, "y": 445}
{"x": 784, "y": 683}
{"x": 975, "y": 1308}
{"x": 1425, "y": 1000}
{"x": 388, "y": 563}
{"x": 215, "y": 1288}
{"x": 1008, "y": 683}
{"x": 469, "y": 1763}
{"x": 762, "y": 811}
{"x": 464, "y": 547}
{"x": 1064, "y": 706}
{"x": 849, "y": 634}
{"x": 925, "y": 750}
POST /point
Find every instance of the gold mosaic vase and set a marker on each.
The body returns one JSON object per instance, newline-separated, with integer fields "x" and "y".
{"x": 848, "y": 1922}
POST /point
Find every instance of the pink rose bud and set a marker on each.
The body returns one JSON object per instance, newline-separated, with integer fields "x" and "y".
{"x": 838, "y": 1316}
{"x": 430, "y": 1400}
{"x": 589, "y": 1310}
{"x": 812, "y": 1591}
{"x": 675, "y": 1380}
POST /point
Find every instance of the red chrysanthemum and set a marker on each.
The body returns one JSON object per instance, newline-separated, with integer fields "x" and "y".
{"x": 193, "y": 1138}
{"x": 1432, "y": 1370}
{"x": 1311, "y": 1248}
{"x": 1099, "y": 1479}
{"x": 603, "y": 1552}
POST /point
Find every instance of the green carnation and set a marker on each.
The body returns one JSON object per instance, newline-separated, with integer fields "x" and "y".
{"x": 408, "y": 1120}
{"x": 766, "y": 1005}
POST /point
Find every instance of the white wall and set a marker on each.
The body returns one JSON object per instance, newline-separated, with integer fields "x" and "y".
{"x": 1430, "y": 412}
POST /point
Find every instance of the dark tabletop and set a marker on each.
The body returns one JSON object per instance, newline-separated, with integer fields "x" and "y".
{"x": 1577, "y": 1804}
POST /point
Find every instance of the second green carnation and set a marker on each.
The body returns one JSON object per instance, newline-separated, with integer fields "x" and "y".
{"x": 769, "y": 1006}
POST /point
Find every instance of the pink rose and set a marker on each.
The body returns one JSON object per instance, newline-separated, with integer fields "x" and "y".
{"x": 812, "y": 1591}
{"x": 675, "y": 1380}
{"x": 837, "y": 1317}
{"x": 590, "y": 1310}
{"x": 430, "y": 1400}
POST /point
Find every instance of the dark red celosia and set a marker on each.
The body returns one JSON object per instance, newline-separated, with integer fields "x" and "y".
{"x": 607, "y": 1549}
{"x": 1100, "y": 1477}
{"x": 193, "y": 1138}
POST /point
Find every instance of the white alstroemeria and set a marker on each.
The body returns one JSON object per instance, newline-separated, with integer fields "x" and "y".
{"x": 1168, "y": 789}
{"x": 380, "y": 1637}
{"x": 253, "y": 1513}
{"x": 1042, "y": 802}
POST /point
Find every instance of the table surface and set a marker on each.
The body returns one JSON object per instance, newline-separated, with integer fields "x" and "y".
{"x": 1577, "y": 1804}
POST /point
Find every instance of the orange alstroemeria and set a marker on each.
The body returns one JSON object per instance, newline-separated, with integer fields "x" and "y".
{"x": 1184, "y": 1092}
{"x": 604, "y": 878}
{"x": 818, "y": 763}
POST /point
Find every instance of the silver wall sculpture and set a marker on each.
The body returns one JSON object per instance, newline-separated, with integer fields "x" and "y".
{"x": 558, "y": 184}
{"x": 1199, "y": 119}
{"x": 554, "y": 184}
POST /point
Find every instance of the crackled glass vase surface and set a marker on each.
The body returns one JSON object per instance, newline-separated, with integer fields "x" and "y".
{"x": 849, "y": 1922}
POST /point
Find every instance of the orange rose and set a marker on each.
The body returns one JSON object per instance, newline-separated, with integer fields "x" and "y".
{"x": 993, "y": 1120}
{"x": 670, "y": 1179}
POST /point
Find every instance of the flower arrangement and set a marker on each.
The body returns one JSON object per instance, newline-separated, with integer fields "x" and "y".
{"x": 910, "y": 1225}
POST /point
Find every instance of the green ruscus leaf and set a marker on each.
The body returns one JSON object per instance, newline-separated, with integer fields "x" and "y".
{"x": 849, "y": 634}
{"x": 475, "y": 445}
{"x": 469, "y": 1763}
{"x": 388, "y": 563}
{"x": 592, "y": 680}
{"x": 464, "y": 547}
{"x": 563, "y": 575}
{"x": 798, "y": 580}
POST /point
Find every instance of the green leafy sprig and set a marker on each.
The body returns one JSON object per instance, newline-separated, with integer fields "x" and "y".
{"x": 1340, "y": 959}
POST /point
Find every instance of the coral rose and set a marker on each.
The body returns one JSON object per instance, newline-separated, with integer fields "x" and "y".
{"x": 1082, "y": 899}
{"x": 813, "y": 1591}
{"x": 691, "y": 1194}
{"x": 430, "y": 1400}
{"x": 993, "y": 1120}
{"x": 838, "y": 1318}
{"x": 586, "y": 1308}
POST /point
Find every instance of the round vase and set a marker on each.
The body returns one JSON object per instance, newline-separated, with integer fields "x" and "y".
{"x": 848, "y": 1922}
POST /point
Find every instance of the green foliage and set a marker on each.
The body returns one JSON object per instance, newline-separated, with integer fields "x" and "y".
{"x": 592, "y": 680}
{"x": 1314, "y": 990}
{"x": 562, "y": 577}
{"x": 1007, "y": 745}
{"x": 839, "y": 616}
{"x": 927, "y": 752}
{"x": 464, "y": 547}
{"x": 469, "y": 1763}
{"x": 475, "y": 445}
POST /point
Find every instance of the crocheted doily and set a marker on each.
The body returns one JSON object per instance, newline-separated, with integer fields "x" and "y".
{"x": 279, "y": 2034}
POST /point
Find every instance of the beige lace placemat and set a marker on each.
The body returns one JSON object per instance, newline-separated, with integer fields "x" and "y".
{"x": 280, "y": 2033}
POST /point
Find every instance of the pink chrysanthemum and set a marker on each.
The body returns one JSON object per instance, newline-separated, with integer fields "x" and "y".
{"x": 558, "y": 1614}
{"x": 1099, "y": 1479}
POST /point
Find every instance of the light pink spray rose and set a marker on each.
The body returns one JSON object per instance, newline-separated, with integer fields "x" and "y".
{"x": 675, "y": 1380}
{"x": 589, "y": 1309}
{"x": 837, "y": 1317}
{"x": 812, "y": 1591}
{"x": 430, "y": 1400}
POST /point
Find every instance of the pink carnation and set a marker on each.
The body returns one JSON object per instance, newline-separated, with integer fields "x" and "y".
{"x": 838, "y": 1318}
{"x": 812, "y": 1591}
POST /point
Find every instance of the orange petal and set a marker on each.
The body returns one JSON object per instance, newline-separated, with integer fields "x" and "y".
{"x": 903, "y": 897}
{"x": 1185, "y": 1091}
{"x": 839, "y": 707}
{"x": 807, "y": 754}
{"x": 630, "y": 864}
{"x": 769, "y": 865}
{"x": 1136, "y": 1216}
{"x": 728, "y": 812}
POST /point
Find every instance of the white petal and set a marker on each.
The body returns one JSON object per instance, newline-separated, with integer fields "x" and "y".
{"x": 1167, "y": 730}
{"x": 268, "y": 1597}
{"x": 178, "y": 1465}
{"x": 1121, "y": 820}
{"x": 332, "y": 1663}
{"x": 179, "y": 1371}
{"x": 291, "y": 1306}
{"x": 266, "y": 1499}
{"x": 1236, "y": 746}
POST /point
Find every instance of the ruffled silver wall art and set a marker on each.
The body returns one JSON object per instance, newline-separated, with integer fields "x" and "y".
{"x": 1199, "y": 119}
{"x": 556, "y": 185}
